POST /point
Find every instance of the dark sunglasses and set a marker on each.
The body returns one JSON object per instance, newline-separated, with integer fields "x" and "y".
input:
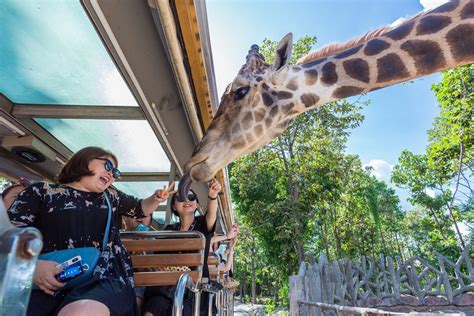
{"x": 191, "y": 197}
{"x": 24, "y": 182}
{"x": 109, "y": 166}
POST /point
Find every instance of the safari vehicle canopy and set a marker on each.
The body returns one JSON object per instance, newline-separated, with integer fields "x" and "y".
{"x": 134, "y": 77}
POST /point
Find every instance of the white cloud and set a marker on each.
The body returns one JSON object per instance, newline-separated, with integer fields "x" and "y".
{"x": 382, "y": 170}
{"x": 427, "y": 5}
{"x": 430, "y": 192}
{"x": 430, "y": 4}
{"x": 397, "y": 22}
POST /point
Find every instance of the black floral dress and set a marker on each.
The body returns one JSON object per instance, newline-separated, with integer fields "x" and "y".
{"x": 70, "y": 218}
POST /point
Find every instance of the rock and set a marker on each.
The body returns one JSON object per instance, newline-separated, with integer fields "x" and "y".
{"x": 370, "y": 302}
{"x": 436, "y": 301}
{"x": 388, "y": 301}
{"x": 408, "y": 300}
{"x": 374, "y": 301}
{"x": 466, "y": 299}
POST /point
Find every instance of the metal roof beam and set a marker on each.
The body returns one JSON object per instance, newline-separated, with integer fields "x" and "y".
{"x": 145, "y": 177}
{"x": 97, "y": 112}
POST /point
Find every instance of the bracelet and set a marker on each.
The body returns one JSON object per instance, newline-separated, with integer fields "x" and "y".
{"x": 212, "y": 199}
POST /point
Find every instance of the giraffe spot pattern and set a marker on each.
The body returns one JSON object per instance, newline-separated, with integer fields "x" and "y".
{"x": 284, "y": 95}
{"x": 259, "y": 115}
{"x": 309, "y": 99}
{"x": 293, "y": 84}
{"x": 273, "y": 111}
{"x": 447, "y": 7}
{"x": 427, "y": 55}
{"x": 346, "y": 91}
{"x": 375, "y": 46}
{"x": 249, "y": 138}
{"x": 314, "y": 63}
{"x": 283, "y": 125}
{"x": 391, "y": 67}
{"x": 432, "y": 24}
{"x": 238, "y": 144}
{"x": 296, "y": 69}
{"x": 287, "y": 107}
{"x": 468, "y": 11}
{"x": 329, "y": 75}
{"x": 247, "y": 121}
{"x": 267, "y": 99}
{"x": 259, "y": 79}
{"x": 236, "y": 129}
{"x": 311, "y": 76}
{"x": 461, "y": 42}
{"x": 357, "y": 68}
{"x": 258, "y": 130}
{"x": 268, "y": 122}
{"x": 265, "y": 86}
{"x": 348, "y": 52}
{"x": 400, "y": 32}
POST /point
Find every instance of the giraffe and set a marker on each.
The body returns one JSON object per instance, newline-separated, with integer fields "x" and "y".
{"x": 262, "y": 100}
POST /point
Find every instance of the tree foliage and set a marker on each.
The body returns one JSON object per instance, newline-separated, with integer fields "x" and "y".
{"x": 440, "y": 180}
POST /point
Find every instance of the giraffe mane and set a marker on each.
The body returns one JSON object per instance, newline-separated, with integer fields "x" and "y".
{"x": 334, "y": 48}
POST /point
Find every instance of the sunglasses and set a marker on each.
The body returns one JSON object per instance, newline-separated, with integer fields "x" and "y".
{"x": 24, "y": 182}
{"x": 191, "y": 197}
{"x": 109, "y": 166}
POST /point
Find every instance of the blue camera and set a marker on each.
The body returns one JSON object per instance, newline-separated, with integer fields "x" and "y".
{"x": 71, "y": 269}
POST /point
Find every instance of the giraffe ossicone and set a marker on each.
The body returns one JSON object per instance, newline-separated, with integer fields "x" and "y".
{"x": 261, "y": 101}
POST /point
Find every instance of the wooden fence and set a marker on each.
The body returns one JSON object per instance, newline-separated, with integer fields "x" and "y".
{"x": 383, "y": 283}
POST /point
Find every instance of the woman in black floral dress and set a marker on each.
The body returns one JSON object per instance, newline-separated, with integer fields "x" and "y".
{"x": 73, "y": 214}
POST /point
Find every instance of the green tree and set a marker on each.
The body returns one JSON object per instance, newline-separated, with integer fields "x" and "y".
{"x": 440, "y": 181}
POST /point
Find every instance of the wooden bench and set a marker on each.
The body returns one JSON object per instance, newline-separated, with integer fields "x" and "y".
{"x": 155, "y": 250}
{"x": 213, "y": 262}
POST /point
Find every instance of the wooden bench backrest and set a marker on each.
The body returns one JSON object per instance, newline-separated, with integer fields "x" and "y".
{"x": 213, "y": 264}
{"x": 146, "y": 253}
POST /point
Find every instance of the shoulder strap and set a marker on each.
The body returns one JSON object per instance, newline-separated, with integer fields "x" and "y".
{"x": 109, "y": 219}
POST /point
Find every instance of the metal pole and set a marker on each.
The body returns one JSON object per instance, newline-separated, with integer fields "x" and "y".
{"x": 19, "y": 250}
{"x": 179, "y": 294}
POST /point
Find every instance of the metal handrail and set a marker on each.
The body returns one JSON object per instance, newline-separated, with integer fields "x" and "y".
{"x": 19, "y": 250}
{"x": 185, "y": 281}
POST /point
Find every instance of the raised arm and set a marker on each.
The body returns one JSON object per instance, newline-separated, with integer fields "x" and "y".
{"x": 212, "y": 194}
{"x": 151, "y": 203}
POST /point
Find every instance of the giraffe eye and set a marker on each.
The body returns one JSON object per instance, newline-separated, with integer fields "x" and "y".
{"x": 241, "y": 92}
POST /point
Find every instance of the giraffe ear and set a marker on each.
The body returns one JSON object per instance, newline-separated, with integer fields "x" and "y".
{"x": 283, "y": 52}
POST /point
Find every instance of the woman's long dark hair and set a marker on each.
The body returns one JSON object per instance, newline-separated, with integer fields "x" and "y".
{"x": 78, "y": 166}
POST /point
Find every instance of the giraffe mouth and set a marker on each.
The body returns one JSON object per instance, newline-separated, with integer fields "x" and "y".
{"x": 185, "y": 184}
{"x": 186, "y": 180}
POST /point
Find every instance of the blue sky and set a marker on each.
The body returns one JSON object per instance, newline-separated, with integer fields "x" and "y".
{"x": 397, "y": 118}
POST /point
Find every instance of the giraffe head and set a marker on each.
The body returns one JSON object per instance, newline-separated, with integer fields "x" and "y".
{"x": 249, "y": 114}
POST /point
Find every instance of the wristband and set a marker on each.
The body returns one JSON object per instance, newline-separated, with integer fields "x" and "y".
{"x": 212, "y": 199}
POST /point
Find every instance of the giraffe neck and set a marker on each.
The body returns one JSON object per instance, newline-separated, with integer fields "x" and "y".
{"x": 431, "y": 42}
